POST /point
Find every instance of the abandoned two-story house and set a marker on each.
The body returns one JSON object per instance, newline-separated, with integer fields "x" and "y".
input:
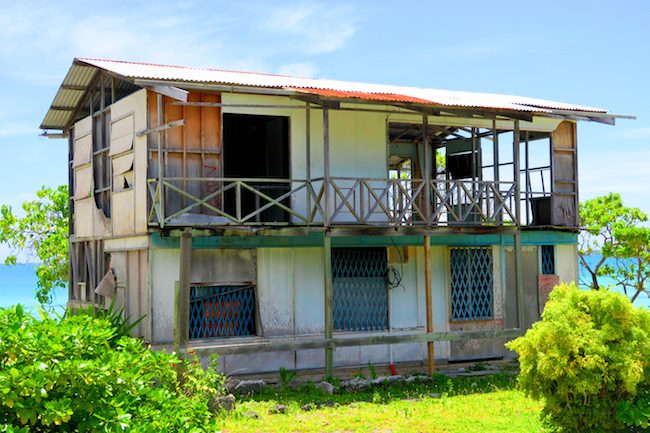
{"x": 307, "y": 223}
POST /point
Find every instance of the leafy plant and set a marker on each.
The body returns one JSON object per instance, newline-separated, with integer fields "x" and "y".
{"x": 479, "y": 366}
{"x": 614, "y": 230}
{"x": 590, "y": 351}
{"x": 635, "y": 413}
{"x": 122, "y": 324}
{"x": 42, "y": 233}
{"x": 372, "y": 370}
{"x": 287, "y": 376}
{"x": 61, "y": 374}
{"x": 359, "y": 375}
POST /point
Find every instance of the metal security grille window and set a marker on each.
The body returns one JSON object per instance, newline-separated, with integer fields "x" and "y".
{"x": 471, "y": 283}
{"x": 548, "y": 259}
{"x": 360, "y": 289}
{"x": 222, "y": 311}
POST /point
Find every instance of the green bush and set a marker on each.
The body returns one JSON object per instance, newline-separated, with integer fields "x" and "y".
{"x": 70, "y": 374}
{"x": 590, "y": 352}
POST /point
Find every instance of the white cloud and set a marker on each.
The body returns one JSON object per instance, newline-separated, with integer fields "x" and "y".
{"x": 313, "y": 27}
{"x": 629, "y": 176}
{"x": 40, "y": 40}
{"x": 305, "y": 70}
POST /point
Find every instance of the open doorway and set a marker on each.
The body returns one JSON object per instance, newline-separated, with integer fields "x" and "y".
{"x": 257, "y": 147}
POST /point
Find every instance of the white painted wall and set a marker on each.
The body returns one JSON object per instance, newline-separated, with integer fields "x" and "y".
{"x": 566, "y": 263}
{"x": 290, "y": 290}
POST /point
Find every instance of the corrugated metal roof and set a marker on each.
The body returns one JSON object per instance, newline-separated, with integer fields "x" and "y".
{"x": 83, "y": 70}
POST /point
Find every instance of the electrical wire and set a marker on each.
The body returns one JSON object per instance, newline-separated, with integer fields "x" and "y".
{"x": 393, "y": 276}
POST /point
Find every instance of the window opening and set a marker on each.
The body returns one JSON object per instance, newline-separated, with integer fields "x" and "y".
{"x": 471, "y": 283}
{"x": 548, "y": 259}
{"x": 360, "y": 289}
{"x": 222, "y": 311}
{"x": 257, "y": 147}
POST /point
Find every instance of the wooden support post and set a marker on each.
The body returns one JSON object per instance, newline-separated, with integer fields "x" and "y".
{"x": 521, "y": 306}
{"x": 308, "y": 157}
{"x": 427, "y": 169}
{"x": 161, "y": 189}
{"x": 326, "y": 167}
{"x": 496, "y": 165}
{"x": 516, "y": 173}
{"x": 329, "y": 311}
{"x": 327, "y": 248}
{"x": 182, "y": 295}
{"x": 519, "y": 281}
{"x": 431, "y": 363}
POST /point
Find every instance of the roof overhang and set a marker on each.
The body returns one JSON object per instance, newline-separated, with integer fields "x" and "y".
{"x": 175, "y": 80}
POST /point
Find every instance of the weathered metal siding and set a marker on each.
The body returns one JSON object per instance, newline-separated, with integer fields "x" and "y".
{"x": 129, "y": 207}
{"x": 128, "y": 152}
{"x": 216, "y": 266}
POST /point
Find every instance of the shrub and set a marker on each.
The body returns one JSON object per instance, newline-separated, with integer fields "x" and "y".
{"x": 590, "y": 351}
{"x": 69, "y": 374}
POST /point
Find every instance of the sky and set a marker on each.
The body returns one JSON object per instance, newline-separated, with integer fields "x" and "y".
{"x": 593, "y": 53}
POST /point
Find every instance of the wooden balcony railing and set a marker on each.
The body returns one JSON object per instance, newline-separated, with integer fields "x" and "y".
{"x": 352, "y": 201}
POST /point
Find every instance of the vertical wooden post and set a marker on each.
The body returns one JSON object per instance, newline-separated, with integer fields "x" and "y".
{"x": 161, "y": 166}
{"x": 326, "y": 167}
{"x": 178, "y": 299}
{"x": 527, "y": 191}
{"x": 182, "y": 295}
{"x": 427, "y": 169}
{"x": 431, "y": 363}
{"x": 497, "y": 166}
{"x": 516, "y": 173}
{"x": 329, "y": 315}
{"x": 521, "y": 306}
{"x": 327, "y": 247}
{"x": 308, "y": 157}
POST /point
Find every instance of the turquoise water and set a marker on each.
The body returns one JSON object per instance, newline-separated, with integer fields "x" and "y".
{"x": 642, "y": 301}
{"x": 17, "y": 286}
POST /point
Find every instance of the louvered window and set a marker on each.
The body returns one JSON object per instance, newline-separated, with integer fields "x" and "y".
{"x": 471, "y": 283}
{"x": 548, "y": 259}
{"x": 360, "y": 298}
{"x": 222, "y": 311}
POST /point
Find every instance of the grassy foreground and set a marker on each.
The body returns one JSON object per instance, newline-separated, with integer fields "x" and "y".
{"x": 466, "y": 405}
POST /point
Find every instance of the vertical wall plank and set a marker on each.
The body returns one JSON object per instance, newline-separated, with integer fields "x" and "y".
{"x": 564, "y": 206}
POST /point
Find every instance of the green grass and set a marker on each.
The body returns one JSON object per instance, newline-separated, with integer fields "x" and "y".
{"x": 473, "y": 405}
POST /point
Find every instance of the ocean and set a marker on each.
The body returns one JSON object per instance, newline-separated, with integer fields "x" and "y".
{"x": 643, "y": 300}
{"x": 17, "y": 284}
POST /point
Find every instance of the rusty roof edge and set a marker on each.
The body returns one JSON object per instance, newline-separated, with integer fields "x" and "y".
{"x": 530, "y": 106}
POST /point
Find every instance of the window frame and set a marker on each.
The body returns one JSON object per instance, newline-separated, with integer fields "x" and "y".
{"x": 368, "y": 327}
{"x": 553, "y": 254}
{"x": 254, "y": 313}
{"x": 449, "y": 274}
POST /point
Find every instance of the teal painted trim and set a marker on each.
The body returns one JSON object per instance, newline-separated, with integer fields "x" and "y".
{"x": 315, "y": 239}
{"x": 548, "y": 237}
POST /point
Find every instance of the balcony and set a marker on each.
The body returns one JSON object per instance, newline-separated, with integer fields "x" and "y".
{"x": 340, "y": 201}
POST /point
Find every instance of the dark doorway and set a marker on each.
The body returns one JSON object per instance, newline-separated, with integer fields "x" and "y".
{"x": 257, "y": 147}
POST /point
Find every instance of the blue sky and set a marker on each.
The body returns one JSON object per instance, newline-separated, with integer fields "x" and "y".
{"x": 586, "y": 52}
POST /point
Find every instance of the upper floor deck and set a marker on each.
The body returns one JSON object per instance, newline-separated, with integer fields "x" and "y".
{"x": 158, "y": 157}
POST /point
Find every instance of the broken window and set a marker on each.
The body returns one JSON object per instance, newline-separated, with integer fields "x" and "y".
{"x": 222, "y": 311}
{"x": 101, "y": 138}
